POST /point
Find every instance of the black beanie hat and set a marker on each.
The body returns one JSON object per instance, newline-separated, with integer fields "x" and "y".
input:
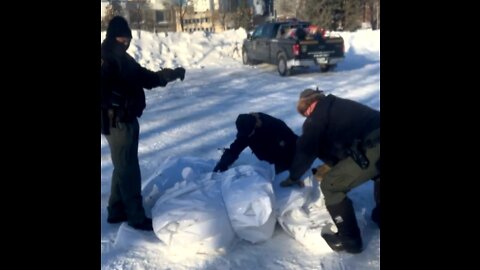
{"x": 245, "y": 124}
{"x": 118, "y": 27}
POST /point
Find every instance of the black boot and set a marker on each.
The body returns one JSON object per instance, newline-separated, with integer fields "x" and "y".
{"x": 136, "y": 215}
{"x": 116, "y": 213}
{"x": 145, "y": 225}
{"x": 348, "y": 237}
{"x": 117, "y": 219}
{"x": 376, "y": 211}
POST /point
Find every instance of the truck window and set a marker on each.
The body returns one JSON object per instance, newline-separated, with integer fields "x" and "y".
{"x": 258, "y": 32}
{"x": 281, "y": 32}
{"x": 268, "y": 31}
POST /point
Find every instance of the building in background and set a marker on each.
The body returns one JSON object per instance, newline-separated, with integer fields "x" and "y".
{"x": 186, "y": 15}
{"x": 198, "y": 15}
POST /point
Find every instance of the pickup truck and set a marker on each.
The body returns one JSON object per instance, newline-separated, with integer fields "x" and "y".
{"x": 274, "y": 43}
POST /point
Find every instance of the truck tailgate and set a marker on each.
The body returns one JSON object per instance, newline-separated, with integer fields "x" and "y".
{"x": 322, "y": 51}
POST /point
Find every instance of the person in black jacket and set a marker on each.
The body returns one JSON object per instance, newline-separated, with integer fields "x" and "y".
{"x": 122, "y": 101}
{"x": 345, "y": 135}
{"x": 269, "y": 138}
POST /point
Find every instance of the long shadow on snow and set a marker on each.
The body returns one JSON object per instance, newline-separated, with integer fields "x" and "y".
{"x": 355, "y": 61}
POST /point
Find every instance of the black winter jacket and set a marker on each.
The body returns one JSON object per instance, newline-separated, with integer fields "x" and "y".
{"x": 273, "y": 142}
{"x": 123, "y": 80}
{"x": 331, "y": 130}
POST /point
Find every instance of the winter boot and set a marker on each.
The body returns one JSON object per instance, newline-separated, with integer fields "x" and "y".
{"x": 116, "y": 213}
{"x": 145, "y": 225}
{"x": 117, "y": 219}
{"x": 376, "y": 211}
{"x": 136, "y": 215}
{"x": 348, "y": 237}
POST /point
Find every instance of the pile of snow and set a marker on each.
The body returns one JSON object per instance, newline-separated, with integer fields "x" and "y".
{"x": 189, "y": 50}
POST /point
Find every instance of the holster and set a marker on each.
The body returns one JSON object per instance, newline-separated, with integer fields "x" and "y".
{"x": 359, "y": 147}
{"x": 357, "y": 153}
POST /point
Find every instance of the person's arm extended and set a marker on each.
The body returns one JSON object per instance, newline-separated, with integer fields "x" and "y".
{"x": 231, "y": 154}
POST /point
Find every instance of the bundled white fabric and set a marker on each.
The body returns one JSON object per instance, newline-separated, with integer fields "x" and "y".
{"x": 301, "y": 211}
{"x": 130, "y": 238}
{"x": 192, "y": 218}
{"x": 249, "y": 198}
{"x": 171, "y": 172}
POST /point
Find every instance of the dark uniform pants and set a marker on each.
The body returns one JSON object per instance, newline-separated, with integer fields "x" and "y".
{"x": 125, "y": 195}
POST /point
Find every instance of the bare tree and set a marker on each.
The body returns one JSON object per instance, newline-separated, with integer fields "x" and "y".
{"x": 117, "y": 8}
{"x": 111, "y": 10}
{"x": 222, "y": 18}
{"x": 243, "y": 16}
{"x": 352, "y": 14}
{"x": 148, "y": 18}
{"x": 224, "y": 15}
{"x": 373, "y": 8}
{"x": 335, "y": 14}
{"x": 301, "y": 9}
{"x": 286, "y": 8}
{"x": 180, "y": 7}
{"x": 325, "y": 13}
{"x": 137, "y": 12}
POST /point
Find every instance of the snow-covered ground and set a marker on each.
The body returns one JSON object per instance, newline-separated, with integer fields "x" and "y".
{"x": 197, "y": 116}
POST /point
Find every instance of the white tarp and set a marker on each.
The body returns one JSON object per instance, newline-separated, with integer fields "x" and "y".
{"x": 193, "y": 219}
{"x": 170, "y": 172}
{"x": 248, "y": 195}
{"x": 197, "y": 211}
{"x": 130, "y": 238}
{"x": 301, "y": 211}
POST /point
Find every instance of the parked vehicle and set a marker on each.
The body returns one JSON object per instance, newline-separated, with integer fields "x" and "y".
{"x": 292, "y": 44}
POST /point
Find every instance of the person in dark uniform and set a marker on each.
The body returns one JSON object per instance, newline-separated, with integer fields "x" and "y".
{"x": 345, "y": 135}
{"x": 122, "y": 101}
{"x": 269, "y": 138}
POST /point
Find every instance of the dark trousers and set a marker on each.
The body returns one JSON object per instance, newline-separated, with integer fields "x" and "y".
{"x": 125, "y": 195}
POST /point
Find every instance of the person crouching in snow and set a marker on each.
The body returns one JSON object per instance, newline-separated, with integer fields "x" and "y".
{"x": 122, "y": 102}
{"x": 345, "y": 135}
{"x": 269, "y": 138}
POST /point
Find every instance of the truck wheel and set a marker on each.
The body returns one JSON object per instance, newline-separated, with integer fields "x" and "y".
{"x": 245, "y": 59}
{"x": 282, "y": 67}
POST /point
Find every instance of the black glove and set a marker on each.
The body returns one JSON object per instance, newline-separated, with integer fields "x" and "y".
{"x": 289, "y": 182}
{"x": 225, "y": 161}
{"x": 220, "y": 167}
{"x": 179, "y": 73}
{"x": 167, "y": 74}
